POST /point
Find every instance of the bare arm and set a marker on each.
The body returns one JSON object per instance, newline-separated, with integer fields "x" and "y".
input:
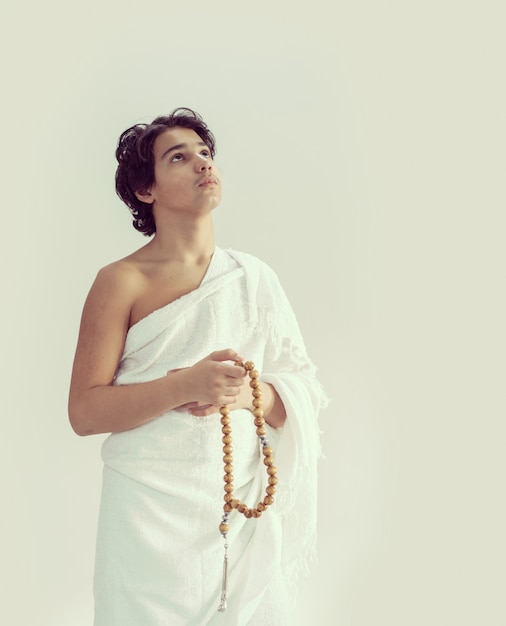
{"x": 95, "y": 405}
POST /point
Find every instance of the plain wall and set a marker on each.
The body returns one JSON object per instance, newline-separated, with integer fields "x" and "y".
{"x": 362, "y": 153}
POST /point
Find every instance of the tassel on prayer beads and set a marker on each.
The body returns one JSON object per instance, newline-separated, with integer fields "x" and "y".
{"x": 224, "y": 580}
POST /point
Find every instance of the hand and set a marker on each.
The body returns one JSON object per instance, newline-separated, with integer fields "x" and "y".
{"x": 243, "y": 400}
{"x": 189, "y": 405}
{"x": 213, "y": 383}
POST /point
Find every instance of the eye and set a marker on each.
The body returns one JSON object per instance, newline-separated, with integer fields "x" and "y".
{"x": 177, "y": 157}
{"x": 205, "y": 153}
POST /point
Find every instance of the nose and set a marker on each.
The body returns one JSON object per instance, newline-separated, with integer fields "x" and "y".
{"x": 203, "y": 163}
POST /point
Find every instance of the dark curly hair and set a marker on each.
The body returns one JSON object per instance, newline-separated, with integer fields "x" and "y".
{"x": 134, "y": 154}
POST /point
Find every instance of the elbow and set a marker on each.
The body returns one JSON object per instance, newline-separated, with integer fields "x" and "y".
{"x": 80, "y": 430}
{"x": 78, "y": 427}
{"x": 77, "y": 418}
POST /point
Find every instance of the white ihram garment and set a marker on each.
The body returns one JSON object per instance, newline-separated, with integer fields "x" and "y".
{"x": 159, "y": 551}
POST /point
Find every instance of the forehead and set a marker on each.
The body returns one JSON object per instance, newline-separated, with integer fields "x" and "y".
{"x": 174, "y": 137}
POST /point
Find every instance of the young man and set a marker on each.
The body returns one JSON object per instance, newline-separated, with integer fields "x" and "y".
{"x": 160, "y": 333}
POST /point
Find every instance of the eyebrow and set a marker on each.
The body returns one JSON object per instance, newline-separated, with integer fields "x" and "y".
{"x": 181, "y": 146}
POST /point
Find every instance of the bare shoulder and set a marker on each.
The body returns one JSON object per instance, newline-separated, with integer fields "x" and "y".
{"x": 120, "y": 277}
{"x": 114, "y": 290}
{"x": 129, "y": 273}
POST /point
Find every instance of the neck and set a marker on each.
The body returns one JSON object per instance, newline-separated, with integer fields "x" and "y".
{"x": 184, "y": 239}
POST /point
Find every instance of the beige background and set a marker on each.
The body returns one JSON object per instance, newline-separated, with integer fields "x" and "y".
{"x": 363, "y": 154}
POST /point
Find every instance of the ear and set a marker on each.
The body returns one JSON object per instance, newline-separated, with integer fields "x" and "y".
{"x": 145, "y": 196}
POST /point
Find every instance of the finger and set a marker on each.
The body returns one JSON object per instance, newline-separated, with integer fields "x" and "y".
{"x": 228, "y": 396}
{"x": 210, "y": 409}
{"x": 197, "y": 405}
{"x": 188, "y": 405}
{"x": 232, "y": 392}
{"x": 231, "y": 397}
{"x": 232, "y": 384}
{"x": 225, "y": 355}
{"x": 237, "y": 373}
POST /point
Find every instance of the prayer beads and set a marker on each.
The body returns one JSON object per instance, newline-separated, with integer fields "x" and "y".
{"x": 232, "y": 503}
{"x": 267, "y": 451}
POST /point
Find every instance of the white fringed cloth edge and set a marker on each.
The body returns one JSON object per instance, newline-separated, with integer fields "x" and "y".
{"x": 159, "y": 550}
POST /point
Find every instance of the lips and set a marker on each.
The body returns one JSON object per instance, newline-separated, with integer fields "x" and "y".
{"x": 207, "y": 181}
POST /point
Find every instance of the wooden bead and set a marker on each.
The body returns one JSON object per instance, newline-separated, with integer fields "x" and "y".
{"x": 229, "y": 488}
{"x": 261, "y": 431}
{"x": 224, "y": 528}
{"x": 267, "y": 451}
{"x": 256, "y": 402}
{"x": 272, "y": 471}
{"x": 249, "y": 365}
{"x": 228, "y": 478}
{"x": 228, "y": 458}
{"x": 256, "y": 512}
{"x": 224, "y": 410}
{"x": 235, "y": 503}
{"x": 228, "y": 449}
{"x": 227, "y": 507}
{"x": 269, "y": 461}
{"x": 273, "y": 480}
{"x": 242, "y": 507}
{"x": 254, "y": 374}
{"x": 254, "y": 384}
{"x": 225, "y": 420}
{"x": 270, "y": 490}
{"x": 258, "y": 413}
{"x": 227, "y": 439}
{"x": 261, "y": 506}
{"x": 229, "y": 468}
{"x": 228, "y": 497}
{"x": 268, "y": 500}
{"x": 256, "y": 393}
{"x": 259, "y": 421}
{"x": 226, "y": 430}
{"x": 248, "y": 513}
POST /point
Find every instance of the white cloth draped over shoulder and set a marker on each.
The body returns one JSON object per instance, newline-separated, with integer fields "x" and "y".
{"x": 159, "y": 551}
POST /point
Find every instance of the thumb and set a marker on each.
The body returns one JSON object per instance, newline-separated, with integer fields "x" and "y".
{"x": 225, "y": 355}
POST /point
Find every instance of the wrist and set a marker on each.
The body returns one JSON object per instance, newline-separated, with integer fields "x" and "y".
{"x": 273, "y": 407}
{"x": 267, "y": 398}
{"x": 179, "y": 388}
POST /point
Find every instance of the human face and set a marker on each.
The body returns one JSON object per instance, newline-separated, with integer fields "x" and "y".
{"x": 186, "y": 177}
